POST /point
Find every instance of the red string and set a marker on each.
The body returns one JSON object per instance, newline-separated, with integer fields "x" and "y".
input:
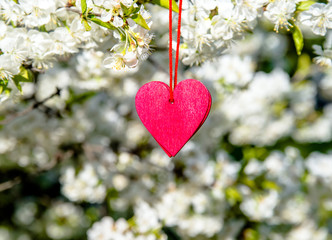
{"x": 171, "y": 49}
{"x": 170, "y": 52}
{"x": 178, "y": 45}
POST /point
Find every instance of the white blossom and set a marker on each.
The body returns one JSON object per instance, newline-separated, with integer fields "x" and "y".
{"x": 83, "y": 187}
{"x": 280, "y": 13}
{"x": 318, "y": 18}
{"x": 319, "y": 165}
{"x": 146, "y": 217}
{"x": 261, "y": 206}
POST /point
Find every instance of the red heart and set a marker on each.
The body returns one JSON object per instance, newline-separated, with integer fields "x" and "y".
{"x": 173, "y": 124}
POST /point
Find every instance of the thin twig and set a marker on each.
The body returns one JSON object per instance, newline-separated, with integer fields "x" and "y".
{"x": 159, "y": 49}
{"x": 9, "y": 184}
{"x": 37, "y": 70}
{"x": 157, "y": 166}
{"x": 29, "y": 109}
{"x": 91, "y": 150}
{"x": 74, "y": 10}
{"x": 157, "y": 65}
{"x": 58, "y": 157}
{"x": 68, "y": 8}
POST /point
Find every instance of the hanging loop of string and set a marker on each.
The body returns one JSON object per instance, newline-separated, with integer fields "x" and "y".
{"x": 171, "y": 48}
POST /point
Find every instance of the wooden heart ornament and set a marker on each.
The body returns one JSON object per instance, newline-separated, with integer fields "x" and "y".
{"x": 173, "y": 124}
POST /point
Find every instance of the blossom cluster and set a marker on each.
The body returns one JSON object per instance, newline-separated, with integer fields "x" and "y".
{"x": 210, "y": 27}
{"x": 36, "y": 34}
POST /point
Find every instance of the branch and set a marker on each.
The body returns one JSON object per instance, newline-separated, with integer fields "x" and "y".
{"x": 91, "y": 150}
{"x": 157, "y": 65}
{"x": 29, "y": 109}
{"x": 9, "y": 184}
{"x": 59, "y": 156}
{"x": 70, "y": 9}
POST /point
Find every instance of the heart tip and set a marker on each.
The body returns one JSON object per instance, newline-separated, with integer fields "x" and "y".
{"x": 169, "y": 154}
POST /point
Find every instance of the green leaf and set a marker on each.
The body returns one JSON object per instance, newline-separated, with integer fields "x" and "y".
{"x": 140, "y": 21}
{"x": 251, "y": 234}
{"x": 165, "y": 4}
{"x": 270, "y": 185}
{"x": 83, "y": 6}
{"x": 259, "y": 153}
{"x": 298, "y": 39}
{"x": 19, "y": 78}
{"x": 78, "y": 98}
{"x": 3, "y": 85}
{"x": 103, "y": 24}
{"x": 86, "y": 24}
{"x": 248, "y": 182}
{"x": 303, "y": 65}
{"x": 304, "y": 6}
{"x": 134, "y": 10}
{"x": 25, "y": 75}
{"x": 42, "y": 28}
{"x": 125, "y": 10}
{"x": 233, "y": 195}
{"x": 17, "y": 84}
